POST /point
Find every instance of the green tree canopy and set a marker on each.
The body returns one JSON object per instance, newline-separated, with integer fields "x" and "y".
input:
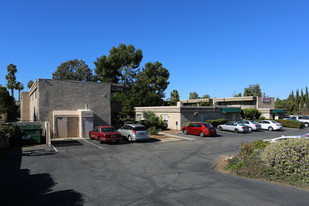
{"x": 174, "y": 97}
{"x": 19, "y": 86}
{"x": 11, "y": 78}
{"x": 121, "y": 66}
{"x": 250, "y": 113}
{"x": 7, "y": 102}
{"x": 193, "y": 95}
{"x": 73, "y": 70}
{"x": 148, "y": 89}
{"x": 29, "y": 84}
{"x": 253, "y": 90}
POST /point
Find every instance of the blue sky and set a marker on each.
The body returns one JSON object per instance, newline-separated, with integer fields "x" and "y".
{"x": 215, "y": 47}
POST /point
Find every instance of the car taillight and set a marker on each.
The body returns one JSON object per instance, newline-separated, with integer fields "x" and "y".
{"x": 256, "y": 125}
{"x": 277, "y": 124}
{"x": 243, "y": 127}
{"x": 134, "y": 131}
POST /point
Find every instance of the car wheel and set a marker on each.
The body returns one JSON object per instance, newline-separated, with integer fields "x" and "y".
{"x": 100, "y": 140}
{"x": 270, "y": 128}
{"x": 306, "y": 124}
{"x": 185, "y": 131}
{"x": 220, "y": 128}
{"x": 202, "y": 134}
{"x": 130, "y": 138}
{"x": 90, "y": 136}
{"x": 250, "y": 129}
{"x": 236, "y": 130}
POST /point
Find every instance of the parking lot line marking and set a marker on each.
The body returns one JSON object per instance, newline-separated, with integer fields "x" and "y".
{"x": 54, "y": 148}
{"x": 93, "y": 144}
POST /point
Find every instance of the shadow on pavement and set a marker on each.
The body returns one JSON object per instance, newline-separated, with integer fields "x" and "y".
{"x": 19, "y": 187}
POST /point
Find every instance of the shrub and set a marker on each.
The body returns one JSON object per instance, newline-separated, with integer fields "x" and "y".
{"x": 151, "y": 120}
{"x": 217, "y": 122}
{"x": 153, "y": 130}
{"x": 7, "y": 131}
{"x": 288, "y": 161}
{"x": 290, "y": 123}
{"x": 250, "y": 113}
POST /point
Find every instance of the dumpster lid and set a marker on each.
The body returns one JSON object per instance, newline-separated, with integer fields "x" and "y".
{"x": 29, "y": 127}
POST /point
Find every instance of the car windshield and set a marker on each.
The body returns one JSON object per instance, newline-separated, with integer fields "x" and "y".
{"x": 241, "y": 123}
{"x": 253, "y": 122}
{"x": 139, "y": 128}
{"x": 305, "y": 117}
{"x": 110, "y": 129}
{"x": 207, "y": 125}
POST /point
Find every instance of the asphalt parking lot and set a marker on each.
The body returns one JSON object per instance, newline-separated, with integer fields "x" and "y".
{"x": 175, "y": 171}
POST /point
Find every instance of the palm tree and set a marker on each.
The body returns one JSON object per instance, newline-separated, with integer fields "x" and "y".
{"x": 19, "y": 86}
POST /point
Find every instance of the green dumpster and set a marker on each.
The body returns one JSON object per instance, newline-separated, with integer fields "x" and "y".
{"x": 30, "y": 134}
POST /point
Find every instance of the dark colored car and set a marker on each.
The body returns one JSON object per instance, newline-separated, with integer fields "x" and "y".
{"x": 105, "y": 134}
{"x": 202, "y": 129}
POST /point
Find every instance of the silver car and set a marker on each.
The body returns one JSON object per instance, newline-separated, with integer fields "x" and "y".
{"x": 253, "y": 126}
{"x": 134, "y": 132}
{"x": 234, "y": 126}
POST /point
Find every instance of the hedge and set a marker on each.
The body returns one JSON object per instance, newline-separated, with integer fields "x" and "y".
{"x": 214, "y": 122}
{"x": 290, "y": 123}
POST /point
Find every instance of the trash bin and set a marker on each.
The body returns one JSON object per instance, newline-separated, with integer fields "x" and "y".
{"x": 30, "y": 134}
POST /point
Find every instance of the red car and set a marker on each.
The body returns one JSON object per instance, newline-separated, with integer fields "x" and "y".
{"x": 105, "y": 134}
{"x": 202, "y": 129}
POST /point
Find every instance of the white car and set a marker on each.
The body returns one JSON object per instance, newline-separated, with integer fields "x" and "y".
{"x": 253, "y": 126}
{"x": 270, "y": 125}
{"x": 234, "y": 127}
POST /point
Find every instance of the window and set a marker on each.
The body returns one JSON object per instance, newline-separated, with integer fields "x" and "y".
{"x": 138, "y": 117}
{"x": 192, "y": 125}
{"x": 108, "y": 129}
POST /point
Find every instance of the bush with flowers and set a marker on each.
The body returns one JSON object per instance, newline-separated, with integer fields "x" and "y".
{"x": 284, "y": 161}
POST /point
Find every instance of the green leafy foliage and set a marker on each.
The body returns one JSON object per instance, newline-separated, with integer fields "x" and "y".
{"x": 11, "y": 78}
{"x": 29, "y": 84}
{"x": 290, "y": 123}
{"x": 7, "y": 102}
{"x": 75, "y": 69}
{"x": 288, "y": 161}
{"x": 174, "y": 97}
{"x": 284, "y": 161}
{"x": 193, "y": 95}
{"x": 253, "y": 90}
{"x": 217, "y": 122}
{"x": 250, "y": 113}
{"x": 7, "y": 131}
{"x": 152, "y": 122}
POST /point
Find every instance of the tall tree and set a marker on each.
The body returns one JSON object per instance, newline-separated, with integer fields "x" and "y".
{"x": 73, "y": 70}
{"x": 302, "y": 99}
{"x": 253, "y": 90}
{"x": 297, "y": 98}
{"x": 148, "y": 89}
{"x": 121, "y": 66}
{"x": 11, "y": 78}
{"x": 29, "y": 84}
{"x": 307, "y": 98}
{"x": 193, "y": 95}
{"x": 205, "y": 96}
{"x": 237, "y": 95}
{"x": 7, "y": 102}
{"x": 174, "y": 97}
{"x": 19, "y": 86}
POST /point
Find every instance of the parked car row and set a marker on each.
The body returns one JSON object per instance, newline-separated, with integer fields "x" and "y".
{"x": 205, "y": 129}
{"x": 132, "y": 132}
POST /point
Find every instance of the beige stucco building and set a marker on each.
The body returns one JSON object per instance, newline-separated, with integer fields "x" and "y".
{"x": 72, "y": 108}
{"x": 176, "y": 116}
{"x": 266, "y": 105}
